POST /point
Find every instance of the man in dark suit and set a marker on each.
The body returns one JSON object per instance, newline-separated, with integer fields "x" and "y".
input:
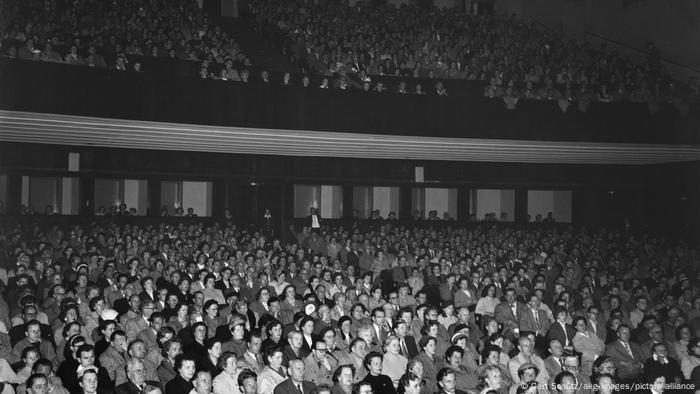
{"x": 295, "y": 383}
{"x": 508, "y": 313}
{"x": 626, "y": 355}
{"x": 534, "y": 319}
{"x": 447, "y": 289}
{"x": 554, "y": 363}
{"x": 662, "y": 364}
{"x": 136, "y": 375}
{"x": 313, "y": 221}
{"x": 560, "y": 329}
{"x": 349, "y": 255}
{"x": 407, "y": 344}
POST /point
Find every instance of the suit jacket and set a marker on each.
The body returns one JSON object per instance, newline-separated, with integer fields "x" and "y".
{"x": 527, "y": 321}
{"x": 309, "y": 220}
{"x": 178, "y": 386}
{"x": 600, "y": 330}
{"x": 553, "y": 367}
{"x": 148, "y": 337}
{"x": 557, "y": 332}
{"x": 130, "y": 388}
{"x": 447, "y": 293}
{"x": 382, "y": 335}
{"x": 144, "y": 296}
{"x": 166, "y": 372}
{"x": 317, "y": 373}
{"x": 288, "y": 354}
{"x": 504, "y": 315}
{"x": 110, "y": 360}
{"x": 627, "y": 367}
{"x": 134, "y": 327}
{"x": 258, "y": 308}
{"x": 288, "y": 387}
{"x": 464, "y": 299}
{"x": 254, "y": 364}
{"x": 411, "y": 347}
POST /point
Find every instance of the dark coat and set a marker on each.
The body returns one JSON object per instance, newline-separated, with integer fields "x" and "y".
{"x": 178, "y": 386}
{"x": 130, "y": 388}
{"x": 287, "y": 387}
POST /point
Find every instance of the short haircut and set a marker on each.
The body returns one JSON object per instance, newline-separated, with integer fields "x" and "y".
{"x": 33, "y": 322}
{"x": 34, "y": 377}
{"x": 86, "y": 372}
{"x": 209, "y": 303}
{"x": 83, "y": 349}
{"x": 452, "y": 350}
{"x": 223, "y": 359}
{"x": 370, "y": 356}
{"x": 245, "y": 375}
{"x": 444, "y": 372}
{"x": 339, "y": 370}
{"x": 42, "y": 362}
{"x": 253, "y": 334}
{"x": 134, "y": 343}
{"x": 271, "y": 352}
{"x": 30, "y": 348}
{"x": 180, "y": 359}
{"x": 117, "y": 333}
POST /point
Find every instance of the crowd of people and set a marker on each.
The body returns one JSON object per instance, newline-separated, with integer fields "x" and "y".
{"x": 87, "y": 33}
{"x": 373, "y": 38}
{"x": 341, "y": 47}
{"x": 193, "y": 308}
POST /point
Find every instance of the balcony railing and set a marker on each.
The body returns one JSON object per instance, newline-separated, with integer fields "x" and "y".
{"x": 163, "y": 96}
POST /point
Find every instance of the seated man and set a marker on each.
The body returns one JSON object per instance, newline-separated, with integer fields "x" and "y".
{"x": 33, "y": 338}
{"x": 136, "y": 375}
{"x": 627, "y": 355}
{"x": 137, "y": 350}
{"x": 295, "y": 383}
{"x": 662, "y": 364}
{"x": 202, "y": 382}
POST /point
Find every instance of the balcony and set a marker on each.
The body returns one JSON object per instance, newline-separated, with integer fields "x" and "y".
{"x": 166, "y": 97}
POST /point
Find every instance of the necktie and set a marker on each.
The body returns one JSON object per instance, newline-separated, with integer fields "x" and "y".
{"x": 299, "y": 388}
{"x": 404, "y": 350}
{"x": 629, "y": 350}
{"x": 566, "y": 334}
{"x": 537, "y": 319}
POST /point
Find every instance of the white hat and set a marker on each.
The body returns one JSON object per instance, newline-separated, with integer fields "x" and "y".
{"x": 109, "y": 314}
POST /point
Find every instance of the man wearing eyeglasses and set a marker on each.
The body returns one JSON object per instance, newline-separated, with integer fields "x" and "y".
{"x": 136, "y": 375}
{"x": 319, "y": 366}
{"x": 571, "y": 364}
